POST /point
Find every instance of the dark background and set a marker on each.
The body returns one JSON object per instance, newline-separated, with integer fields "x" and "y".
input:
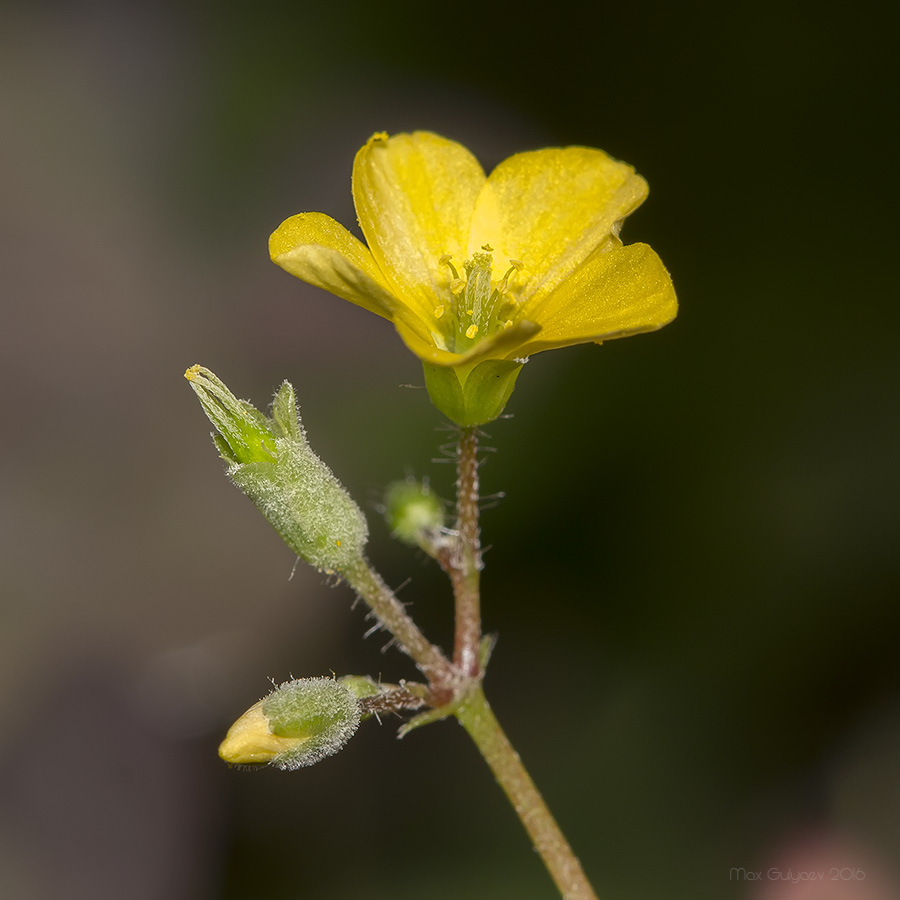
{"x": 694, "y": 574}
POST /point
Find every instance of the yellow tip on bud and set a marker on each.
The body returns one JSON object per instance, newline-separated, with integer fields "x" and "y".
{"x": 250, "y": 742}
{"x": 298, "y": 724}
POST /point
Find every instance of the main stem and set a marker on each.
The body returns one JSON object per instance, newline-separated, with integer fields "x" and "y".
{"x": 480, "y": 722}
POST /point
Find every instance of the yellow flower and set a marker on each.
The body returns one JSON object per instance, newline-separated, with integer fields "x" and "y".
{"x": 476, "y": 272}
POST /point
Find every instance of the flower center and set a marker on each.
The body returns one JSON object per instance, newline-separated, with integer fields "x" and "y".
{"x": 477, "y": 305}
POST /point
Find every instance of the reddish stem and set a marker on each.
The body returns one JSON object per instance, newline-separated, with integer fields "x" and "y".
{"x": 466, "y": 563}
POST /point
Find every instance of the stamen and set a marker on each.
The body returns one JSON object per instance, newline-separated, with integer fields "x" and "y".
{"x": 445, "y": 261}
{"x": 504, "y": 282}
{"x": 483, "y": 305}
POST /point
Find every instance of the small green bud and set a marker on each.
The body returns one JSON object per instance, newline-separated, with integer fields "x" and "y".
{"x": 474, "y": 395}
{"x": 414, "y": 512}
{"x": 271, "y": 461}
{"x": 298, "y": 724}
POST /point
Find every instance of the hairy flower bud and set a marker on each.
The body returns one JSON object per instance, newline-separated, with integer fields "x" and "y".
{"x": 270, "y": 460}
{"x": 298, "y": 724}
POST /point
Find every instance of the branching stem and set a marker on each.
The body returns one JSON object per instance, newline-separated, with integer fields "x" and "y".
{"x": 392, "y": 615}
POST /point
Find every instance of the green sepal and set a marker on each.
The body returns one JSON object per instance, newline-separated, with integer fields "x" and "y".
{"x": 473, "y": 396}
{"x": 284, "y": 413}
{"x": 313, "y": 708}
{"x": 244, "y": 435}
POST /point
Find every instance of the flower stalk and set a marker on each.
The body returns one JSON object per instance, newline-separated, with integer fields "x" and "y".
{"x": 473, "y": 711}
{"x": 466, "y": 563}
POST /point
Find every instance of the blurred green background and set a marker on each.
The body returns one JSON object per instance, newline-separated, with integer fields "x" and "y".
{"x": 694, "y": 573}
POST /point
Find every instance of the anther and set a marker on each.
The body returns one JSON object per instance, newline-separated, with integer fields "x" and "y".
{"x": 438, "y": 311}
{"x": 471, "y": 331}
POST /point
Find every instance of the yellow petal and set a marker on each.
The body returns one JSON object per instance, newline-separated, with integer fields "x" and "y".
{"x": 503, "y": 344}
{"x": 552, "y": 209}
{"x": 414, "y": 196}
{"x": 612, "y": 295}
{"x": 316, "y": 249}
{"x": 424, "y": 347}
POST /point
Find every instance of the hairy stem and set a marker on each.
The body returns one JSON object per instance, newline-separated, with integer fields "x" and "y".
{"x": 458, "y": 684}
{"x": 466, "y": 563}
{"x": 391, "y": 614}
{"x": 479, "y": 721}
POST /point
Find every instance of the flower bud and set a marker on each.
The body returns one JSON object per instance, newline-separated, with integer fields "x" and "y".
{"x": 298, "y": 724}
{"x": 414, "y": 512}
{"x": 270, "y": 460}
